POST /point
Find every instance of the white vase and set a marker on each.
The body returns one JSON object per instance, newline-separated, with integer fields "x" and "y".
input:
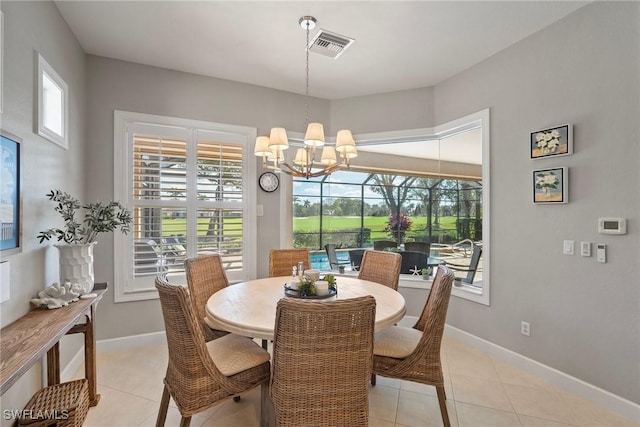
{"x": 76, "y": 265}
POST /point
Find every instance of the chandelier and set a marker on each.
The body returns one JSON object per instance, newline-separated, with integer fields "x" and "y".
{"x": 304, "y": 164}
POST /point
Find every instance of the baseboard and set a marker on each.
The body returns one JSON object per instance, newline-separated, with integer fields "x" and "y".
{"x": 596, "y": 395}
{"x": 113, "y": 344}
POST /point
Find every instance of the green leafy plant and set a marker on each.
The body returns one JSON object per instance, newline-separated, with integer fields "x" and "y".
{"x": 98, "y": 218}
{"x": 426, "y": 271}
{"x": 307, "y": 287}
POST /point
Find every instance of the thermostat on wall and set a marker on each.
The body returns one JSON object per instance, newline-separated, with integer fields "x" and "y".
{"x": 612, "y": 226}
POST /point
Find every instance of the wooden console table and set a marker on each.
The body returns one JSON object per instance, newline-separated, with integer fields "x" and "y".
{"x": 25, "y": 341}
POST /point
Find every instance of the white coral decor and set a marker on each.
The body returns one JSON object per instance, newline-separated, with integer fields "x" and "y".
{"x": 57, "y": 295}
{"x": 548, "y": 141}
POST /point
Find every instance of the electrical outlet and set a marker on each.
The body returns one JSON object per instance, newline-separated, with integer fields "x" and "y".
{"x": 525, "y": 328}
{"x": 259, "y": 210}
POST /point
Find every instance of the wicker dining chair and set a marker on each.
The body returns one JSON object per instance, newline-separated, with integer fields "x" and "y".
{"x": 281, "y": 261}
{"x": 199, "y": 374}
{"x": 381, "y": 267}
{"x": 205, "y": 276}
{"x": 322, "y": 362}
{"x": 413, "y": 354}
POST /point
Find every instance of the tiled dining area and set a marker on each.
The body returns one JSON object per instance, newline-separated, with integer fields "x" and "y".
{"x": 481, "y": 391}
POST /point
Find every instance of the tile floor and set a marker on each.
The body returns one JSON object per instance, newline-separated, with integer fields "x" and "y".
{"x": 481, "y": 391}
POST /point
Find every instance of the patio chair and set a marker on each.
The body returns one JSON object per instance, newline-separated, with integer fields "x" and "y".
{"x": 322, "y": 362}
{"x": 413, "y": 354}
{"x": 381, "y": 267}
{"x": 334, "y": 262}
{"x": 200, "y": 375}
{"x": 205, "y": 276}
{"x": 355, "y": 257}
{"x": 380, "y": 245}
{"x": 469, "y": 269}
{"x": 412, "y": 261}
{"x": 282, "y": 261}
{"x": 424, "y": 247}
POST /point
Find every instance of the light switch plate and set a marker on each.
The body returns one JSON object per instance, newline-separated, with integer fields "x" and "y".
{"x": 601, "y": 253}
{"x": 567, "y": 247}
{"x": 585, "y": 248}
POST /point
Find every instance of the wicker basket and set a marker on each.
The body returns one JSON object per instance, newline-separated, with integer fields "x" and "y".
{"x": 63, "y": 405}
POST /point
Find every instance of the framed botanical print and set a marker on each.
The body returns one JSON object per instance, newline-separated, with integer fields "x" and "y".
{"x": 551, "y": 185}
{"x": 556, "y": 141}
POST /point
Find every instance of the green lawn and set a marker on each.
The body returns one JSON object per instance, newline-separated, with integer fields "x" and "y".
{"x": 178, "y": 226}
{"x": 375, "y": 223}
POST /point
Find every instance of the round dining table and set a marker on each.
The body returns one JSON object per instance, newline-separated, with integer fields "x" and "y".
{"x": 249, "y": 308}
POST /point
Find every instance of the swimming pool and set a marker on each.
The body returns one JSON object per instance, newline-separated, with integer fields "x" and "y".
{"x": 319, "y": 260}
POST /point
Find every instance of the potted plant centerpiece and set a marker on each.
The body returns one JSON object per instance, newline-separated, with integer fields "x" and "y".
{"x": 79, "y": 236}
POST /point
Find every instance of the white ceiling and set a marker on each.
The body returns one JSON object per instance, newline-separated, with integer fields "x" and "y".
{"x": 398, "y": 44}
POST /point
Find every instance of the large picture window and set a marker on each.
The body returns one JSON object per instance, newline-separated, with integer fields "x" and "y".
{"x": 186, "y": 188}
{"x": 422, "y": 190}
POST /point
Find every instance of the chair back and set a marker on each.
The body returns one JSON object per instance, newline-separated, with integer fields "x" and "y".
{"x": 205, "y": 276}
{"x": 412, "y": 261}
{"x": 473, "y": 264}
{"x": 190, "y": 370}
{"x": 381, "y": 267}
{"x": 322, "y": 361}
{"x": 380, "y": 245}
{"x": 424, "y": 247}
{"x": 355, "y": 258}
{"x": 281, "y": 261}
{"x": 330, "y": 248}
{"x": 432, "y": 319}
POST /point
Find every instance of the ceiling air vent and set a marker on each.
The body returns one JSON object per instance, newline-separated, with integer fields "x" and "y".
{"x": 329, "y": 44}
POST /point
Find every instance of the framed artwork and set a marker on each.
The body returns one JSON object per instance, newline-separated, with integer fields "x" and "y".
{"x": 551, "y": 185}
{"x": 556, "y": 141}
{"x": 10, "y": 200}
{"x": 53, "y": 105}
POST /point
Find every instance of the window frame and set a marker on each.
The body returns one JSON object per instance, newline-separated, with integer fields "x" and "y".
{"x": 125, "y": 288}
{"x": 61, "y": 139}
{"x": 480, "y": 118}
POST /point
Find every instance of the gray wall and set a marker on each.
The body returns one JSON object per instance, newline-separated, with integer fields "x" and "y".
{"x": 582, "y": 70}
{"x": 584, "y": 316}
{"x": 31, "y": 27}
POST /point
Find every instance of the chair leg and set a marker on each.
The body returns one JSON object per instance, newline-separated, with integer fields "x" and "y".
{"x": 185, "y": 421}
{"x": 373, "y": 379}
{"x": 264, "y": 404}
{"x": 442, "y": 400}
{"x": 164, "y": 406}
{"x": 236, "y": 399}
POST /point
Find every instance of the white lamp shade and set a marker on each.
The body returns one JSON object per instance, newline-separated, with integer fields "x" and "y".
{"x": 262, "y": 146}
{"x": 276, "y": 155}
{"x": 345, "y": 143}
{"x": 315, "y": 135}
{"x": 302, "y": 157}
{"x": 278, "y": 139}
{"x": 350, "y": 154}
{"x": 328, "y": 156}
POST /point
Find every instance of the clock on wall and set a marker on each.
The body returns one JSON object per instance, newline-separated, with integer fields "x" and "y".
{"x": 269, "y": 182}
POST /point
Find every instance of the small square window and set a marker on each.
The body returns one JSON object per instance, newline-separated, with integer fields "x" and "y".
{"x": 53, "y": 105}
